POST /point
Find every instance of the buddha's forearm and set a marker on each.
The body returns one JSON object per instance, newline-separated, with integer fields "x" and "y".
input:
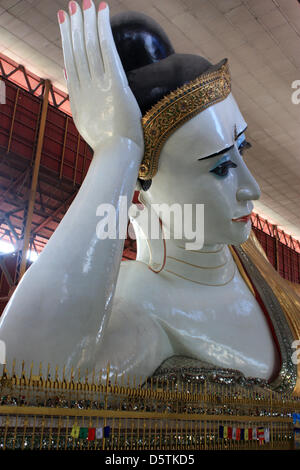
{"x": 78, "y": 241}
{"x": 63, "y": 302}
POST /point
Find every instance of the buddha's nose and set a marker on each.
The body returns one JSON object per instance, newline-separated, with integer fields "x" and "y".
{"x": 248, "y": 189}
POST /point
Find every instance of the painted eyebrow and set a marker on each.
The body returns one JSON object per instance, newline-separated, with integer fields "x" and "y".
{"x": 242, "y": 132}
{"x": 217, "y": 154}
{"x": 224, "y": 150}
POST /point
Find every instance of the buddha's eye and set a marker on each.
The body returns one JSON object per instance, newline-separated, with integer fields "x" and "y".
{"x": 223, "y": 168}
{"x": 244, "y": 146}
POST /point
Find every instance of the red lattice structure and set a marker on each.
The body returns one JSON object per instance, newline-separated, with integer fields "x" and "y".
{"x": 274, "y": 231}
{"x": 27, "y": 80}
{"x": 282, "y": 250}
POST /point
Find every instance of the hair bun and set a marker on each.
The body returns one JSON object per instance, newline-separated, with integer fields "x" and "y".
{"x": 139, "y": 40}
{"x": 152, "y": 67}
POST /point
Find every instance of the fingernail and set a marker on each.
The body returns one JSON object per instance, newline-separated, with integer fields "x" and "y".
{"x": 102, "y": 6}
{"x": 86, "y": 4}
{"x": 61, "y": 16}
{"x": 72, "y": 7}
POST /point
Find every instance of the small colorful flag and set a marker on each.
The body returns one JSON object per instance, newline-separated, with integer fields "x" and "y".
{"x": 297, "y": 434}
{"x": 75, "y": 431}
{"x": 106, "y": 431}
{"x": 99, "y": 433}
{"x": 91, "y": 434}
{"x": 261, "y": 435}
{"x": 221, "y": 432}
{"x": 246, "y": 434}
{"x": 254, "y": 434}
{"x": 267, "y": 435}
{"x": 242, "y": 434}
{"x": 229, "y": 432}
{"x": 297, "y": 438}
{"x": 296, "y": 417}
{"x": 260, "y": 432}
{"x": 238, "y": 434}
{"x": 234, "y": 434}
{"x": 83, "y": 433}
{"x": 250, "y": 434}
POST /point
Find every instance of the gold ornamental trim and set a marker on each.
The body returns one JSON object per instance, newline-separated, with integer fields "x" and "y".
{"x": 290, "y": 305}
{"x": 178, "y": 107}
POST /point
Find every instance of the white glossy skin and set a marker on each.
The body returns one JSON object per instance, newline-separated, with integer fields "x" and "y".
{"x": 188, "y": 180}
{"x": 65, "y": 312}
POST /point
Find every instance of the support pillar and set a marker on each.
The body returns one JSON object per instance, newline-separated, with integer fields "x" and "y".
{"x": 34, "y": 181}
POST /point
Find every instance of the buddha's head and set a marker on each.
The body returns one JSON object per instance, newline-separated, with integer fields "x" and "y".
{"x": 199, "y": 160}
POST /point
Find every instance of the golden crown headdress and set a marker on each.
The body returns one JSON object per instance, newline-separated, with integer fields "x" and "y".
{"x": 178, "y": 107}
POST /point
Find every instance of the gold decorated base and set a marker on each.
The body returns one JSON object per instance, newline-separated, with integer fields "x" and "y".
{"x": 185, "y": 370}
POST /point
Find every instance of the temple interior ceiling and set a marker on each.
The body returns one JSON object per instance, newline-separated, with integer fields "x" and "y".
{"x": 261, "y": 39}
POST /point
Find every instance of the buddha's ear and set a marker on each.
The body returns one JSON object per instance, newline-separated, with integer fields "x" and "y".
{"x": 150, "y": 251}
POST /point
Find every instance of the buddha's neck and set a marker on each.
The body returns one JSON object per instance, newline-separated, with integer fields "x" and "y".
{"x": 212, "y": 265}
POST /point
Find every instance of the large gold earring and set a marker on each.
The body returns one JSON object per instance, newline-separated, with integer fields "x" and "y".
{"x": 165, "y": 251}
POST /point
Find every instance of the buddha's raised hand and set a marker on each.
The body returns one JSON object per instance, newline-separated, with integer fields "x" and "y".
{"x": 102, "y": 103}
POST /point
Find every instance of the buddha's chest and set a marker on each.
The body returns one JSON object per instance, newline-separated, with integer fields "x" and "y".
{"x": 223, "y": 325}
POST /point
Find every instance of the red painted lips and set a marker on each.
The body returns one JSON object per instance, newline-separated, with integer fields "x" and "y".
{"x": 244, "y": 218}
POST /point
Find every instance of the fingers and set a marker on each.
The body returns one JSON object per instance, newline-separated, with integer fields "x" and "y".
{"x": 92, "y": 40}
{"x": 111, "y": 59}
{"x": 78, "y": 41}
{"x": 88, "y": 52}
{"x": 65, "y": 31}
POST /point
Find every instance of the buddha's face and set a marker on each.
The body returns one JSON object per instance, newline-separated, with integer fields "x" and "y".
{"x": 201, "y": 164}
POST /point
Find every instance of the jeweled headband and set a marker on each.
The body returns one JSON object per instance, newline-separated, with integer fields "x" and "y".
{"x": 178, "y": 107}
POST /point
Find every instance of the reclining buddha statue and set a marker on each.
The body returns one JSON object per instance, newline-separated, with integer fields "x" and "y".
{"x": 167, "y": 125}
